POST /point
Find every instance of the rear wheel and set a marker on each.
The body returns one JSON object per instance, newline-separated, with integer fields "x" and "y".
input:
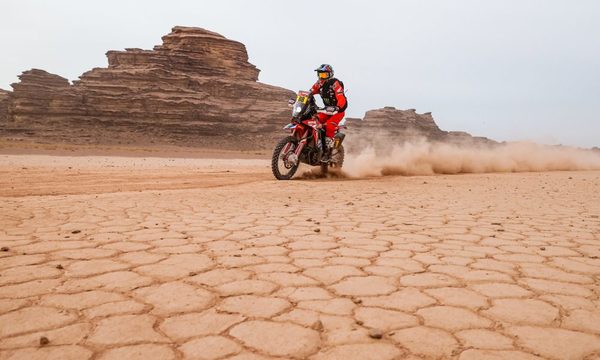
{"x": 284, "y": 162}
{"x": 336, "y": 162}
{"x": 337, "y": 157}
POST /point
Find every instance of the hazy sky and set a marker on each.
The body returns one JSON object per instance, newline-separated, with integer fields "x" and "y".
{"x": 505, "y": 69}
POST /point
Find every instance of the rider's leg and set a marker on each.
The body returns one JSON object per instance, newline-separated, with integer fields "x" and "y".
{"x": 331, "y": 124}
{"x": 323, "y": 119}
{"x": 331, "y": 127}
{"x": 323, "y": 136}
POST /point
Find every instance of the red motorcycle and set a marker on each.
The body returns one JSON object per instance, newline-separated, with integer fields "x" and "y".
{"x": 307, "y": 142}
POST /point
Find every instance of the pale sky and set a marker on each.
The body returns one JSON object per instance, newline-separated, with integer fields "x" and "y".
{"x": 504, "y": 69}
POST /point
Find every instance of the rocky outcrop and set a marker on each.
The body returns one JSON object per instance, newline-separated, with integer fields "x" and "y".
{"x": 399, "y": 124}
{"x": 196, "y": 89}
{"x": 462, "y": 137}
{"x": 389, "y": 126}
{"x": 191, "y": 51}
{"x": 3, "y": 106}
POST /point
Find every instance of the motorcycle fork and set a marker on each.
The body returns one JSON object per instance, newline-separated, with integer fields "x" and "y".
{"x": 301, "y": 144}
{"x": 316, "y": 137}
{"x": 287, "y": 146}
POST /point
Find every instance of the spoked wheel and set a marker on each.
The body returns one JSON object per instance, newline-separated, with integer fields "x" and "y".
{"x": 337, "y": 160}
{"x": 284, "y": 162}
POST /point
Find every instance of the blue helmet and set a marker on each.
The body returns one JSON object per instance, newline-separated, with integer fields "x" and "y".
{"x": 325, "y": 71}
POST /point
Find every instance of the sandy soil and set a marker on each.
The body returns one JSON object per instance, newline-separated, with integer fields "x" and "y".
{"x": 12, "y": 147}
{"x": 143, "y": 258}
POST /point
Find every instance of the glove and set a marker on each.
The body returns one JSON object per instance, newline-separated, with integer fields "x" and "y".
{"x": 331, "y": 109}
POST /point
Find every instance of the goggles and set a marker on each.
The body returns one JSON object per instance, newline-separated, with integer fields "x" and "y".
{"x": 323, "y": 75}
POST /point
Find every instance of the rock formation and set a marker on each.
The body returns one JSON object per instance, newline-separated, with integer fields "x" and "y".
{"x": 196, "y": 89}
{"x": 3, "y": 106}
{"x": 390, "y": 126}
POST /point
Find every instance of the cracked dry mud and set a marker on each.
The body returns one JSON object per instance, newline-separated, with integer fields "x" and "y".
{"x": 182, "y": 260}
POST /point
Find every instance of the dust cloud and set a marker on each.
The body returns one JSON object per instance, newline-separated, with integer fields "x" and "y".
{"x": 421, "y": 157}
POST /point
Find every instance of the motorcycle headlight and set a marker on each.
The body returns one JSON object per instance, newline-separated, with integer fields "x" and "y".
{"x": 296, "y": 110}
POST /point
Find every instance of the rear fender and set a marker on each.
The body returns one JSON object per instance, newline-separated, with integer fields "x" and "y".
{"x": 338, "y": 139}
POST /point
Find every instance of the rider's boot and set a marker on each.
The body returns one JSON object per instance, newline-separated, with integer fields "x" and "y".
{"x": 324, "y": 152}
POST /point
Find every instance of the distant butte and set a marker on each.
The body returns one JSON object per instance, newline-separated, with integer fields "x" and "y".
{"x": 387, "y": 126}
{"x": 197, "y": 89}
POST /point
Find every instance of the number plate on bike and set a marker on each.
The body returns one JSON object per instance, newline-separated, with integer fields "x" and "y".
{"x": 302, "y": 99}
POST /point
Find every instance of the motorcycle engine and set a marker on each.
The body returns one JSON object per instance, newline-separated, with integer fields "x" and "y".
{"x": 312, "y": 155}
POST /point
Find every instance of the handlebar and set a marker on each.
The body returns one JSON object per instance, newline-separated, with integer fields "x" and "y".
{"x": 324, "y": 111}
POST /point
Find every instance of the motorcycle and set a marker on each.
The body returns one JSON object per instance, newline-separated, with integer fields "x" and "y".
{"x": 305, "y": 142}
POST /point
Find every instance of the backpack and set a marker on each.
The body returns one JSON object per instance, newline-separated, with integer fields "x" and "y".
{"x": 329, "y": 98}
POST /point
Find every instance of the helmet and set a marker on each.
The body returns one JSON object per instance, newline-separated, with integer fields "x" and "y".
{"x": 324, "y": 71}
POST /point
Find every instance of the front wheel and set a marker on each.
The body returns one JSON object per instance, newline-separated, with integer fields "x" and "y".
{"x": 284, "y": 162}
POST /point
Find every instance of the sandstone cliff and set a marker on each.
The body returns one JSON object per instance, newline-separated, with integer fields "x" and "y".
{"x": 196, "y": 89}
{"x": 3, "y": 106}
{"x": 389, "y": 126}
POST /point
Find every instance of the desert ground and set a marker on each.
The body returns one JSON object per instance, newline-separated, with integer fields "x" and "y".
{"x": 107, "y": 257}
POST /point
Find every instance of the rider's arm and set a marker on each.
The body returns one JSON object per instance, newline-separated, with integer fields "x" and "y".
{"x": 315, "y": 88}
{"x": 339, "y": 94}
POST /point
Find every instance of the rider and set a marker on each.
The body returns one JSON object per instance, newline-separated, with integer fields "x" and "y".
{"x": 331, "y": 91}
